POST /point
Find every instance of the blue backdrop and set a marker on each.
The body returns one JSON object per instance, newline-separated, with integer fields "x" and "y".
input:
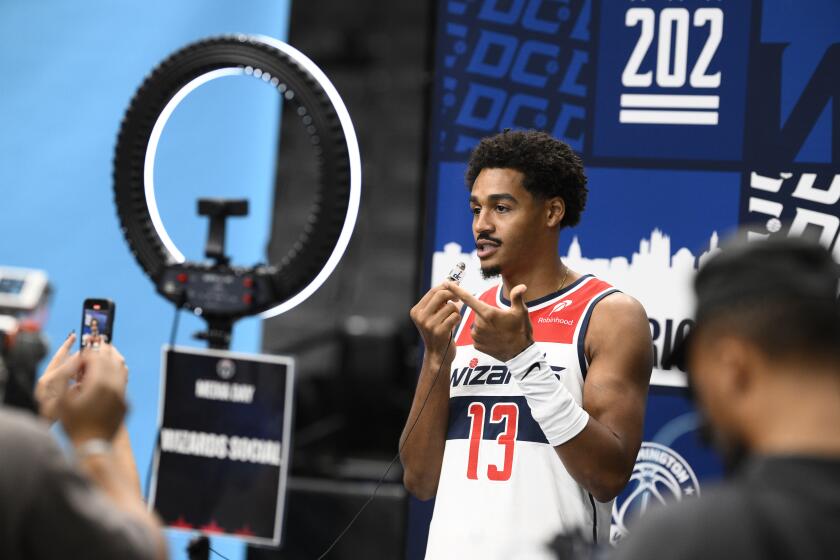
{"x": 70, "y": 69}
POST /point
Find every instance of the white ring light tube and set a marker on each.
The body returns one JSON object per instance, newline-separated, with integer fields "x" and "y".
{"x": 352, "y": 151}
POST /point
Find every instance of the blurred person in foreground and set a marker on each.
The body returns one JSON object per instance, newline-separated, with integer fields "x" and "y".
{"x": 93, "y": 509}
{"x": 764, "y": 364}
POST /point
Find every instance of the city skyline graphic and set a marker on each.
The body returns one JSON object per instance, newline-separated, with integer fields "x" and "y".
{"x": 656, "y": 275}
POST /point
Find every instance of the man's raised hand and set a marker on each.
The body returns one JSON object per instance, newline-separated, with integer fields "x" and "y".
{"x": 500, "y": 333}
{"x": 97, "y": 408}
{"x": 435, "y": 315}
{"x": 63, "y": 367}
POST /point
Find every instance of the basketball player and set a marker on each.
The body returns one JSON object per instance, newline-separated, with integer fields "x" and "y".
{"x": 533, "y": 425}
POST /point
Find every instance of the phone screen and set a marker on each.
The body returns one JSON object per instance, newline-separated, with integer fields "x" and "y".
{"x": 97, "y": 323}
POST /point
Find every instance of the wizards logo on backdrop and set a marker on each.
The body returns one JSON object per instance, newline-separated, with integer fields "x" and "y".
{"x": 668, "y": 463}
{"x": 672, "y": 79}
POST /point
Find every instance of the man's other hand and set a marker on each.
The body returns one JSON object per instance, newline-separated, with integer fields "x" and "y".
{"x": 499, "y": 333}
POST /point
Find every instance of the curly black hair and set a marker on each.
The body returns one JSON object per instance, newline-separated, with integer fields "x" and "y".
{"x": 550, "y": 167}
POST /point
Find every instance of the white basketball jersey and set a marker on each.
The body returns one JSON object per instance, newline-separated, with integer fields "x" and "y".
{"x": 503, "y": 491}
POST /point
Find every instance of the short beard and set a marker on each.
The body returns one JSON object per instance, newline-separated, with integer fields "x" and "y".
{"x": 491, "y": 272}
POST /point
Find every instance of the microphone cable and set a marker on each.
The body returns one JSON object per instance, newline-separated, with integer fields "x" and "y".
{"x": 394, "y": 460}
{"x": 454, "y": 275}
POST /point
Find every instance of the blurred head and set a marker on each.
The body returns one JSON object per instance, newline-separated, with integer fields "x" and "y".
{"x": 94, "y": 325}
{"x": 767, "y": 317}
{"x": 524, "y": 187}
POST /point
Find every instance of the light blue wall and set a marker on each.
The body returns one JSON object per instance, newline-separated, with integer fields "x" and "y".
{"x": 68, "y": 72}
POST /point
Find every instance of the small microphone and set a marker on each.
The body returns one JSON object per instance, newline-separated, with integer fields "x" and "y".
{"x": 457, "y": 273}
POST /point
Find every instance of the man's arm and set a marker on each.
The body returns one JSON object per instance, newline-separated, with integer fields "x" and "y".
{"x": 424, "y": 435}
{"x": 53, "y": 509}
{"x": 124, "y": 456}
{"x": 92, "y": 418}
{"x": 620, "y": 351}
{"x": 54, "y": 384}
{"x": 121, "y": 444}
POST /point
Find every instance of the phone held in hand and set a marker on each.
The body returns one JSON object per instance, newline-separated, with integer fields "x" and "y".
{"x": 97, "y": 322}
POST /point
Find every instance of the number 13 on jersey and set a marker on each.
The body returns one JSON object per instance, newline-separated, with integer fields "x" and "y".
{"x": 500, "y": 413}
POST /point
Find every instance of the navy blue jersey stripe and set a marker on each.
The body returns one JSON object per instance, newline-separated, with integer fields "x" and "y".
{"x": 584, "y": 324}
{"x": 457, "y": 330}
{"x": 460, "y": 421}
{"x": 549, "y": 297}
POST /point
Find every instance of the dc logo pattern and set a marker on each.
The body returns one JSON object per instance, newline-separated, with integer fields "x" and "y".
{"x": 661, "y": 476}
{"x": 540, "y": 47}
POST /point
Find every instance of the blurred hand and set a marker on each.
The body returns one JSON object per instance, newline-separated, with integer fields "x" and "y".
{"x": 56, "y": 379}
{"x": 96, "y": 407}
{"x": 435, "y": 315}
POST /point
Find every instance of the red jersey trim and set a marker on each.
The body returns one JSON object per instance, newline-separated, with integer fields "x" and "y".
{"x": 556, "y": 319}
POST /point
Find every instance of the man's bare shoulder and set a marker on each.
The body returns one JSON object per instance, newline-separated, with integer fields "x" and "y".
{"x": 618, "y": 319}
{"x": 620, "y": 307}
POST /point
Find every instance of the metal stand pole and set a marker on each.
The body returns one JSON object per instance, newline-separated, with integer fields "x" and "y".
{"x": 199, "y": 548}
